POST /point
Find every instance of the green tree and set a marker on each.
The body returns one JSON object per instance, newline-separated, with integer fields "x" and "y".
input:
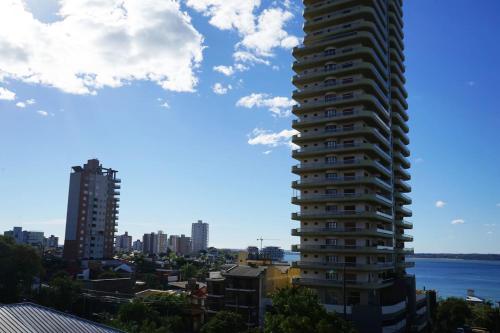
{"x": 451, "y": 314}
{"x": 297, "y": 310}
{"x": 19, "y": 264}
{"x": 188, "y": 271}
{"x": 485, "y": 316}
{"x": 225, "y": 322}
{"x": 64, "y": 292}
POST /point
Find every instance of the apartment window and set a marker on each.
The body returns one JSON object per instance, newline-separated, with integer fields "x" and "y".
{"x": 331, "y": 144}
{"x": 349, "y": 159}
{"x": 330, "y": 82}
{"x": 330, "y": 160}
{"x": 331, "y": 241}
{"x": 348, "y": 80}
{"x": 349, "y": 143}
{"x": 353, "y": 298}
{"x": 348, "y": 95}
{"x": 330, "y": 98}
{"x": 330, "y": 128}
{"x": 330, "y": 67}
{"x": 332, "y": 175}
{"x": 331, "y": 225}
{"x": 349, "y": 191}
{"x": 330, "y": 113}
{"x": 331, "y": 191}
{"x": 331, "y": 208}
{"x": 348, "y": 127}
{"x": 349, "y": 176}
{"x": 347, "y": 112}
{"x": 350, "y": 277}
{"x": 329, "y": 52}
{"x": 331, "y": 276}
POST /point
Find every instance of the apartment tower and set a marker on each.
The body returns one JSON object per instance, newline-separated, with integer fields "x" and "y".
{"x": 353, "y": 162}
{"x": 199, "y": 236}
{"x": 92, "y": 215}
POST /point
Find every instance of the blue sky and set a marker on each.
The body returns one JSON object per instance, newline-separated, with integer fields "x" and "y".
{"x": 186, "y": 153}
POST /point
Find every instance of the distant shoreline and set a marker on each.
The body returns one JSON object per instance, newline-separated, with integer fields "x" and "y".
{"x": 460, "y": 256}
{"x": 463, "y": 256}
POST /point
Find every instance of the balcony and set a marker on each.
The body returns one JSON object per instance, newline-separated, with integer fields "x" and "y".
{"x": 340, "y": 85}
{"x": 116, "y": 192}
{"x": 404, "y": 224}
{"x": 403, "y": 161}
{"x": 342, "y": 197}
{"x": 349, "y": 266}
{"x": 341, "y": 116}
{"x": 340, "y": 214}
{"x": 406, "y": 200}
{"x": 402, "y": 185}
{"x": 403, "y": 211}
{"x": 366, "y": 131}
{"x": 338, "y": 283}
{"x": 304, "y": 183}
{"x": 406, "y": 250}
{"x": 340, "y": 148}
{"x": 399, "y": 145}
{"x": 401, "y": 172}
{"x": 346, "y": 164}
{"x": 406, "y": 264}
{"x": 343, "y": 249}
{"x": 404, "y": 237}
{"x": 339, "y": 55}
{"x": 374, "y": 232}
{"x": 117, "y": 180}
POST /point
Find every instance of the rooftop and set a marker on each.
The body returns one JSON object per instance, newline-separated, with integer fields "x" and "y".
{"x": 33, "y": 318}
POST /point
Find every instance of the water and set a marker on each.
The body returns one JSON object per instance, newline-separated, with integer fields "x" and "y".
{"x": 452, "y": 277}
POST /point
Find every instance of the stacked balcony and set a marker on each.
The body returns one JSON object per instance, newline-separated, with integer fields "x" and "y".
{"x": 352, "y": 152}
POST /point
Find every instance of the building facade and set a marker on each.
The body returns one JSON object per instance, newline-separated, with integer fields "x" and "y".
{"x": 155, "y": 243}
{"x": 92, "y": 215}
{"x": 184, "y": 245}
{"x": 123, "y": 243}
{"x": 353, "y": 161}
{"x": 199, "y": 236}
{"x": 272, "y": 253}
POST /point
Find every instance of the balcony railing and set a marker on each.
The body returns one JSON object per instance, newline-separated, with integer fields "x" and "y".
{"x": 346, "y": 248}
{"x": 339, "y": 213}
{"x": 347, "y": 196}
{"x": 340, "y": 265}
{"x": 339, "y": 283}
{"x": 335, "y": 180}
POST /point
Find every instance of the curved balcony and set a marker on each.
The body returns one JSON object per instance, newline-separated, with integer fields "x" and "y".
{"x": 339, "y": 165}
{"x": 348, "y": 68}
{"x": 406, "y": 264}
{"x": 349, "y": 266}
{"x": 403, "y": 198}
{"x": 315, "y": 182}
{"x": 343, "y": 214}
{"x": 399, "y": 121}
{"x": 341, "y": 148}
{"x": 343, "y": 249}
{"x": 401, "y": 172}
{"x": 340, "y": 54}
{"x": 401, "y": 160}
{"x": 397, "y": 107}
{"x": 338, "y": 283}
{"x": 405, "y": 250}
{"x": 341, "y": 116}
{"x": 342, "y": 16}
{"x": 399, "y": 145}
{"x": 312, "y": 198}
{"x": 340, "y": 85}
{"x": 403, "y": 186}
{"x": 404, "y": 224}
{"x": 404, "y": 237}
{"x": 347, "y": 232}
{"x": 366, "y": 131}
{"x": 405, "y": 212}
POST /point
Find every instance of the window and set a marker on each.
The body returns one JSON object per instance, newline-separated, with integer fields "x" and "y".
{"x": 330, "y": 160}
{"x": 330, "y": 128}
{"x": 330, "y": 98}
{"x": 331, "y": 144}
{"x": 331, "y": 225}
{"x": 331, "y": 191}
{"x": 329, "y": 113}
{"x": 331, "y": 175}
{"x": 331, "y": 208}
{"x": 330, "y": 67}
{"x": 330, "y": 82}
{"x": 330, "y": 275}
{"x": 329, "y": 52}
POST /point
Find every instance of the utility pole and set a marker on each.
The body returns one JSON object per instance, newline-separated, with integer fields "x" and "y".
{"x": 264, "y": 239}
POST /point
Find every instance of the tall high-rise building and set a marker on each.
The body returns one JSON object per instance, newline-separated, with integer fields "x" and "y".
{"x": 199, "y": 236}
{"x": 353, "y": 161}
{"x": 155, "y": 243}
{"x": 123, "y": 243}
{"x": 92, "y": 215}
{"x": 184, "y": 245}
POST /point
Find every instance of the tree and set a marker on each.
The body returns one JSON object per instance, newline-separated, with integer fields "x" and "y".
{"x": 225, "y": 322}
{"x": 188, "y": 271}
{"x": 297, "y": 310}
{"x": 451, "y": 314}
{"x": 19, "y": 264}
{"x": 64, "y": 292}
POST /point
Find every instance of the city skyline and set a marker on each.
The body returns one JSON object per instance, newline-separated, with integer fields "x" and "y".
{"x": 238, "y": 132}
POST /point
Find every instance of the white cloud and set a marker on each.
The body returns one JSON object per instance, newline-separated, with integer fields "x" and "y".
{"x": 248, "y": 57}
{"x": 226, "y": 70}
{"x": 279, "y": 106}
{"x": 458, "y": 221}
{"x": 261, "y": 33}
{"x": 440, "y": 204}
{"x": 165, "y": 105}
{"x": 6, "y": 94}
{"x": 96, "y": 44}
{"x": 267, "y": 152}
{"x": 490, "y": 225}
{"x": 419, "y": 160}
{"x": 268, "y": 138}
{"x": 42, "y": 113}
{"x": 219, "y": 89}
{"x": 21, "y": 105}
{"x": 30, "y": 101}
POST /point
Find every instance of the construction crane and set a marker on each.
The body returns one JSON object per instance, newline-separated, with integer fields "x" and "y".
{"x": 264, "y": 239}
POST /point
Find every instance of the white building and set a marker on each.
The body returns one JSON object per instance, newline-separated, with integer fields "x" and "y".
{"x": 199, "y": 236}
